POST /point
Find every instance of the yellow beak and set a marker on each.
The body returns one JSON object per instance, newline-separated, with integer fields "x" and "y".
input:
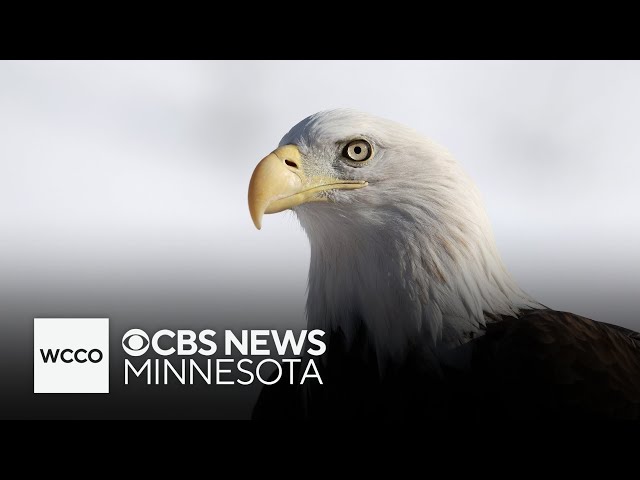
{"x": 279, "y": 182}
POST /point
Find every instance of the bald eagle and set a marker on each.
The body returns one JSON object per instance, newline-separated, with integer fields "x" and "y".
{"x": 423, "y": 320}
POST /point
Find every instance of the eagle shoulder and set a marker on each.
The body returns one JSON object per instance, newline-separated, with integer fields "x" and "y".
{"x": 548, "y": 363}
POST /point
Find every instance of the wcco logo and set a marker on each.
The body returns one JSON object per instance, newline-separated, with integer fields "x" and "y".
{"x": 81, "y": 355}
{"x": 71, "y": 355}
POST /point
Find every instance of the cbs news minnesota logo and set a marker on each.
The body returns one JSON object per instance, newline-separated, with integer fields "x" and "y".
{"x": 70, "y": 355}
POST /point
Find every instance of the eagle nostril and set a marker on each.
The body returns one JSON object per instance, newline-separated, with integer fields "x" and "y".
{"x": 290, "y": 163}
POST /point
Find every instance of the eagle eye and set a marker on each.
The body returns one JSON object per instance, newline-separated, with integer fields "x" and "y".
{"x": 357, "y": 150}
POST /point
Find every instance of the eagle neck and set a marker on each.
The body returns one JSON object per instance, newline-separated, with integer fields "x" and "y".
{"x": 406, "y": 288}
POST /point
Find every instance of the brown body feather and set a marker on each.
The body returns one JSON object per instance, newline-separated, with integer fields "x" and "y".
{"x": 562, "y": 363}
{"x": 544, "y": 366}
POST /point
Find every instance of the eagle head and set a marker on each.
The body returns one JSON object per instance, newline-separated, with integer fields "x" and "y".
{"x": 400, "y": 242}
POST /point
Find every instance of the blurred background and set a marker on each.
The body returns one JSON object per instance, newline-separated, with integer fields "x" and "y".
{"x": 123, "y": 192}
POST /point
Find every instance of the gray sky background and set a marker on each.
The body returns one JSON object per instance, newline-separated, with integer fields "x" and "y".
{"x": 123, "y": 184}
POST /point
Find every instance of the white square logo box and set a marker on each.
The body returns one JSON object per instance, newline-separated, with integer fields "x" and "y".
{"x": 70, "y": 355}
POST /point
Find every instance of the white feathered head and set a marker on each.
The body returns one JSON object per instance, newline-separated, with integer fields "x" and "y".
{"x": 400, "y": 241}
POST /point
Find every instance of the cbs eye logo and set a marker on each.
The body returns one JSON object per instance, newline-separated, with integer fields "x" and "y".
{"x": 135, "y": 342}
